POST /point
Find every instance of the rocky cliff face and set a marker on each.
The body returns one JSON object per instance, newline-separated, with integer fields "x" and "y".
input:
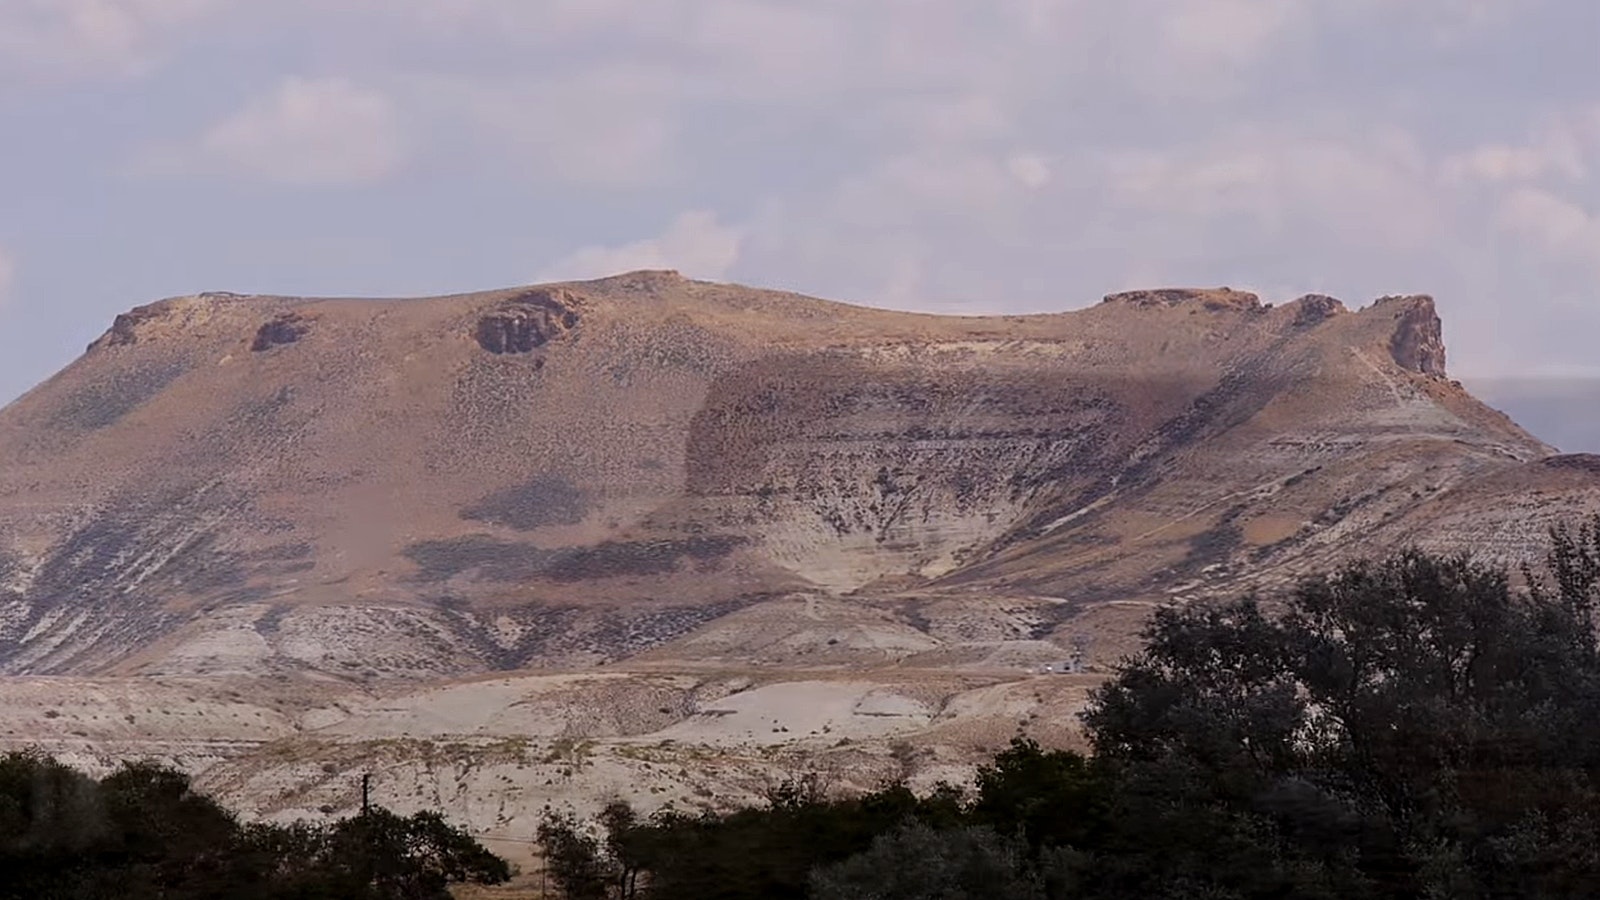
{"x": 1418, "y": 342}
{"x": 571, "y": 474}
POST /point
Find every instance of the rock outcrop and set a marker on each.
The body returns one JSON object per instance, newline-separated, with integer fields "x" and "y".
{"x": 125, "y": 328}
{"x": 1418, "y": 342}
{"x": 286, "y": 328}
{"x": 528, "y": 321}
{"x": 1314, "y": 309}
{"x": 1213, "y": 299}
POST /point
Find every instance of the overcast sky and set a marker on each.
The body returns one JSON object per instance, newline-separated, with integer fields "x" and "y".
{"x": 942, "y": 155}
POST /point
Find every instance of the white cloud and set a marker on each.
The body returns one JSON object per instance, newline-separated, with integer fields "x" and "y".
{"x": 621, "y": 114}
{"x": 311, "y": 132}
{"x": 1556, "y": 225}
{"x": 1454, "y": 21}
{"x": 941, "y": 182}
{"x": 935, "y": 229}
{"x": 1208, "y": 32}
{"x": 1505, "y": 162}
{"x": 1371, "y": 191}
{"x": 561, "y": 20}
{"x": 695, "y": 244}
{"x": 1561, "y": 148}
{"x": 81, "y": 36}
{"x": 605, "y": 93}
{"x": 607, "y": 126}
{"x": 952, "y": 118}
{"x": 1030, "y": 169}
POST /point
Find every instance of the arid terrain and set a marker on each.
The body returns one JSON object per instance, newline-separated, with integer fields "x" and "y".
{"x": 672, "y": 540}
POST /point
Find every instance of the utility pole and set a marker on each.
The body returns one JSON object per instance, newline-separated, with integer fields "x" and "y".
{"x": 1081, "y": 644}
{"x": 366, "y": 792}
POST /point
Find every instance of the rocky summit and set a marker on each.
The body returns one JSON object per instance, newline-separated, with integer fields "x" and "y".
{"x": 635, "y": 467}
{"x": 673, "y": 541}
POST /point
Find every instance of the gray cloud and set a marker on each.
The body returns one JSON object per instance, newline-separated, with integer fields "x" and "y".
{"x": 695, "y": 244}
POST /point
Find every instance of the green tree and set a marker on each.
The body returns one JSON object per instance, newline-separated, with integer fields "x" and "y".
{"x": 52, "y": 819}
{"x": 575, "y": 860}
{"x": 1050, "y": 797}
{"x": 144, "y": 832}
{"x": 765, "y": 852}
{"x": 1406, "y": 728}
{"x": 917, "y": 862}
{"x": 167, "y": 839}
{"x": 380, "y": 855}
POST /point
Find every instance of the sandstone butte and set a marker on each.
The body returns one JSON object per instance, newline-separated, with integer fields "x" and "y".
{"x": 672, "y": 513}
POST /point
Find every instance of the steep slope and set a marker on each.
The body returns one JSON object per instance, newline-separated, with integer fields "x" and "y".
{"x": 568, "y": 474}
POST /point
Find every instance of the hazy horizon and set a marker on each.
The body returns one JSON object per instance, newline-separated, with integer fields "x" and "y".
{"x": 1559, "y": 411}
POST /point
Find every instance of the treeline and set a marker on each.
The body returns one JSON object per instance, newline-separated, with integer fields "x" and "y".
{"x": 1419, "y": 727}
{"x": 143, "y": 832}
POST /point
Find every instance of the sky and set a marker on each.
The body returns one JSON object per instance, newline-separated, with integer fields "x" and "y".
{"x": 961, "y": 156}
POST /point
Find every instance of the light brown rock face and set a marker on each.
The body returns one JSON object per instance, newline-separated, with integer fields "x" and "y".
{"x": 570, "y": 474}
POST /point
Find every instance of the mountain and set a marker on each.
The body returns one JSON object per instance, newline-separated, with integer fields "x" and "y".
{"x": 647, "y": 467}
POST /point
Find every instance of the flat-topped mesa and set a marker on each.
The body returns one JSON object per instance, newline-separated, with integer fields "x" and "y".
{"x": 1418, "y": 340}
{"x": 511, "y": 473}
{"x": 1211, "y": 298}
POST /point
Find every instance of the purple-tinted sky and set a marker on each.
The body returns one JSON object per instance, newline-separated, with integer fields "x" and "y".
{"x": 1002, "y": 155}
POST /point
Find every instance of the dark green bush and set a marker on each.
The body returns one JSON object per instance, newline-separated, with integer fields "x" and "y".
{"x": 143, "y": 832}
